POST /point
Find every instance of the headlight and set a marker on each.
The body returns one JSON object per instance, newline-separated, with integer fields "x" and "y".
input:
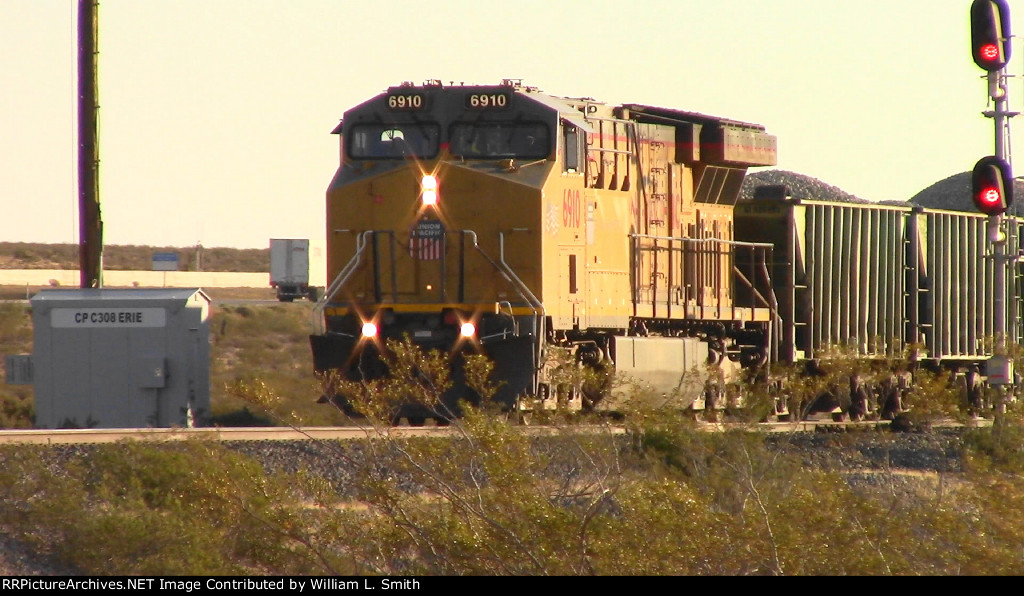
{"x": 429, "y": 190}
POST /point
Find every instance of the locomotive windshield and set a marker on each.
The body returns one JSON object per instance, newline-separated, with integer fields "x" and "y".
{"x": 500, "y": 140}
{"x": 382, "y": 141}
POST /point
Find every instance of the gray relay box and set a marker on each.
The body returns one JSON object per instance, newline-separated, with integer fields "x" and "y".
{"x": 121, "y": 358}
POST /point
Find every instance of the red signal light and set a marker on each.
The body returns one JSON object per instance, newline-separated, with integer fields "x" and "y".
{"x": 990, "y": 197}
{"x": 992, "y": 185}
{"x": 990, "y": 51}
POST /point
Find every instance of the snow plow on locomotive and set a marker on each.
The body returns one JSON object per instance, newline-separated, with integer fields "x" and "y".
{"x": 503, "y": 221}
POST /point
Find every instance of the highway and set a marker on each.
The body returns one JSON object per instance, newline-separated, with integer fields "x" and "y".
{"x": 127, "y": 279}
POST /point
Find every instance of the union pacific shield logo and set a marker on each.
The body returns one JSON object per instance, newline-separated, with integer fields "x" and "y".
{"x": 426, "y": 240}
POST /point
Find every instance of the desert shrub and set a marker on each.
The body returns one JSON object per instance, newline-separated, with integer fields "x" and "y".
{"x": 17, "y": 408}
{"x": 656, "y": 495}
{"x": 1000, "y": 448}
{"x": 15, "y": 327}
{"x": 16, "y": 401}
{"x": 268, "y": 345}
{"x": 933, "y": 396}
{"x": 192, "y": 508}
{"x": 661, "y": 498}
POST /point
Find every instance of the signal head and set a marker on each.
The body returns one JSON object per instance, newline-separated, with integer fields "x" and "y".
{"x": 990, "y": 33}
{"x": 992, "y": 185}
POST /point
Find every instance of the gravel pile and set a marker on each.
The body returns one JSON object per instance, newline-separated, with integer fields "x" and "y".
{"x": 952, "y": 194}
{"x": 799, "y": 186}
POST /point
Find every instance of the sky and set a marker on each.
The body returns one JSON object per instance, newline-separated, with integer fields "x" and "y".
{"x": 215, "y": 115}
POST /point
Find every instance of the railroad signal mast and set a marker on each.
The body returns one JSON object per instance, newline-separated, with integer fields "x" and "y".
{"x": 992, "y": 177}
{"x": 992, "y": 186}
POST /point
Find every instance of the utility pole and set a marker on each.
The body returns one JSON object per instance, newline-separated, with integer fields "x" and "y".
{"x": 90, "y": 225}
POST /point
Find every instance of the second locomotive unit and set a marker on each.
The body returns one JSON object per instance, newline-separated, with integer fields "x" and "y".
{"x": 505, "y": 221}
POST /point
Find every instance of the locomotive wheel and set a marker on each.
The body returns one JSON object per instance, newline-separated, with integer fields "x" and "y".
{"x": 590, "y": 355}
{"x": 593, "y": 391}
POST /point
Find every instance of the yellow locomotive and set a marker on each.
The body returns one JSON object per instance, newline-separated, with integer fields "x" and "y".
{"x": 503, "y": 220}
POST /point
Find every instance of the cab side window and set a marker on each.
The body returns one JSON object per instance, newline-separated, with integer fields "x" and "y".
{"x": 573, "y": 152}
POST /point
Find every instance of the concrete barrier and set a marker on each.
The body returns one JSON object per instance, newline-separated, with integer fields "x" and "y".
{"x": 143, "y": 279}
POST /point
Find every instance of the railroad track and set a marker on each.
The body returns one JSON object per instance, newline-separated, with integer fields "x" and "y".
{"x": 113, "y": 435}
{"x": 96, "y": 436}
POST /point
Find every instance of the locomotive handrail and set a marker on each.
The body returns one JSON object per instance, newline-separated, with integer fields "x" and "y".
{"x": 753, "y": 290}
{"x": 524, "y": 290}
{"x": 506, "y": 271}
{"x": 633, "y": 140}
{"x": 346, "y": 272}
{"x": 766, "y": 246}
{"x": 538, "y": 306}
{"x": 772, "y": 303}
{"x": 700, "y": 240}
{"x": 776, "y": 326}
{"x": 363, "y": 240}
{"x": 600, "y": 149}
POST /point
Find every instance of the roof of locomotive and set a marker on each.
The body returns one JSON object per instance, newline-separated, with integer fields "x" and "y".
{"x": 569, "y": 108}
{"x": 656, "y": 114}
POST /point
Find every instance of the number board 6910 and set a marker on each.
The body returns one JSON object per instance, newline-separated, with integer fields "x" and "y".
{"x": 406, "y": 101}
{"x": 487, "y": 101}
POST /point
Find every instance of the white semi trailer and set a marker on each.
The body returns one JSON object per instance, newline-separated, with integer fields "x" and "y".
{"x": 289, "y": 269}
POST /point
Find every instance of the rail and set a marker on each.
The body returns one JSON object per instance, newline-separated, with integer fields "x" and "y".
{"x": 356, "y": 432}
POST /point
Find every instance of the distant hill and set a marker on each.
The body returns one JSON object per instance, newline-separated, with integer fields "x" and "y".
{"x": 27, "y": 255}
